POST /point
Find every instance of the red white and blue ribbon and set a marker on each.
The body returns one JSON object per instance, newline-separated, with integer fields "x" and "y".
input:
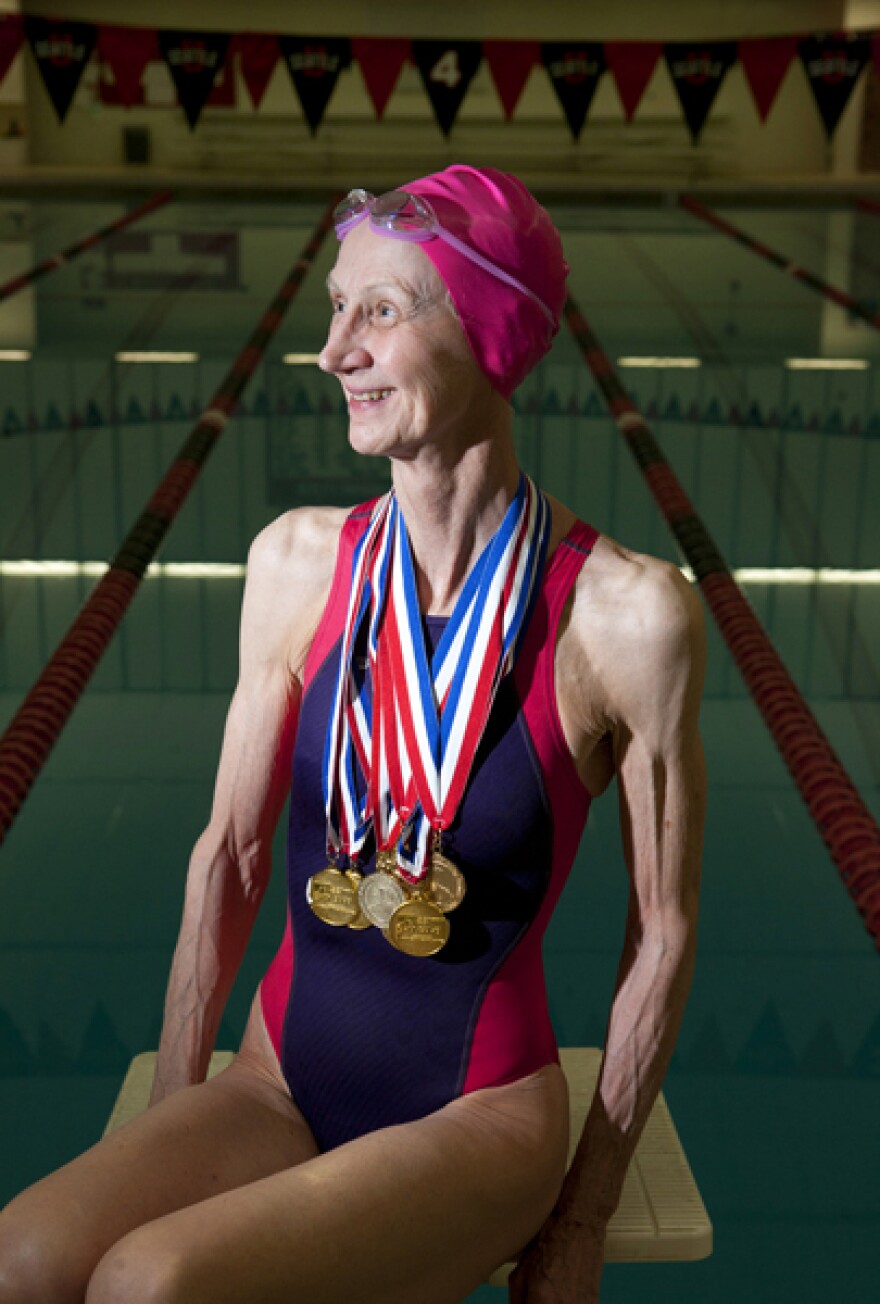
{"x": 441, "y": 708}
{"x": 350, "y": 723}
{"x": 417, "y": 739}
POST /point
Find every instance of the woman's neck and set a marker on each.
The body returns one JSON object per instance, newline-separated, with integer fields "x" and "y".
{"x": 451, "y": 512}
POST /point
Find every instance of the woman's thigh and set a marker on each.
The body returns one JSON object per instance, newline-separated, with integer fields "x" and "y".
{"x": 420, "y": 1211}
{"x": 235, "y": 1129}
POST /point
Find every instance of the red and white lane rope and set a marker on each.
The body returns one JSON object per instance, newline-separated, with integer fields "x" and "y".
{"x": 17, "y": 283}
{"x": 847, "y": 827}
{"x": 36, "y": 725}
{"x": 855, "y": 306}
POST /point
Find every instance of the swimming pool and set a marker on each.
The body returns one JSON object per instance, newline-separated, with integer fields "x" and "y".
{"x": 774, "y": 1084}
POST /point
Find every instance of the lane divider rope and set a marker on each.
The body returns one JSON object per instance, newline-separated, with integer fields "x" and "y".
{"x": 842, "y": 819}
{"x": 17, "y": 283}
{"x": 35, "y": 727}
{"x": 855, "y": 306}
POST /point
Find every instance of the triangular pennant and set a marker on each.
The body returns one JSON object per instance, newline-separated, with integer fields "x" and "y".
{"x": 302, "y": 406}
{"x": 194, "y": 59}
{"x": 765, "y": 61}
{"x": 574, "y": 70}
{"x": 708, "y": 1053}
{"x": 767, "y": 1050}
{"x": 632, "y": 65}
{"x": 866, "y": 1063}
{"x": 62, "y": 49}
{"x": 258, "y": 54}
{"x": 380, "y": 63}
{"x": 133, "y": 412}
{"x": 447, "y": 69}
{"x": 52, "y": 1058}
{"x": 127, "y": 50}
{"x": 11, "y": 423}
{"x": 102, "y": 1049}
{"x": 550, "y": 405}
{"x": 175, "y": 410}
{"x": 697, "y": 71}
{"x": 314, "y": 64}
{"x": 16, "y": 1059}
{"x": 832, "y": 64}
{"x": 11, "y": 37}
{"x": 510, "y": 63}
{"x": 823, "y": 1057}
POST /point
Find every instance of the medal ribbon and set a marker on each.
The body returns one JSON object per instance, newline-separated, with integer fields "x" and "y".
{"x": 348, "y": 820}
{"x": 417, "y": 742}
{"x": 433, "y": 716}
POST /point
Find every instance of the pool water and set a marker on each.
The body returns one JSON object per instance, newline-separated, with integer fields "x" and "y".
{"x": 774, "y": 1085}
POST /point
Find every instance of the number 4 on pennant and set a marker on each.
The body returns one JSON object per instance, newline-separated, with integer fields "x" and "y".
{"x": 446, "y": 69}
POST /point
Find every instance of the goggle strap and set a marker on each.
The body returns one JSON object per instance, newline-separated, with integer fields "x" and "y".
{"x": 493, "y": 269}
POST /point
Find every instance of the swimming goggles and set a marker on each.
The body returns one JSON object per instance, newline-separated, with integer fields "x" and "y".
{"x": 404, "y": 216}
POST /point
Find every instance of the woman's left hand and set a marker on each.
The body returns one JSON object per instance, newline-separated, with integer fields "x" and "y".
{"x": 562, "y": 1265}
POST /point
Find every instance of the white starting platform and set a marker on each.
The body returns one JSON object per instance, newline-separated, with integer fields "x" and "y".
{"x": 661, "y": 1215}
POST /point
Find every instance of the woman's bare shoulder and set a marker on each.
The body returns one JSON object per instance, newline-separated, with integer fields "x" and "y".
{"x": 634, "y": 614}
{"x": 289, "y": 573}
{"x": 302, "y": 542}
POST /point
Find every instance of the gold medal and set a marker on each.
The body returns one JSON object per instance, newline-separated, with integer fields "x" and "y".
{"x": 446, "y": 882}
{"x": 418, "y": 927}
{"x": 332, "y": 897}
{"x": 360, "y": 920}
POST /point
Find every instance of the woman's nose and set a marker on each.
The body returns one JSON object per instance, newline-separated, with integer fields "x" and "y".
{"x": 343, "y": 351}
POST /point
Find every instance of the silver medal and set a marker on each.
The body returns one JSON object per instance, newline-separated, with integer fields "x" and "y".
{"x": 379, "y": 895}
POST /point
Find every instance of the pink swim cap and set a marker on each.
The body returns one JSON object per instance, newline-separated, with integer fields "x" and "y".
{"x": 496, "y": 215}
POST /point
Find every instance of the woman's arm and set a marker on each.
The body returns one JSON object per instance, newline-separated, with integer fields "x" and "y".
{"x": 289, "y": 569}
{"x": 653, "y": 674}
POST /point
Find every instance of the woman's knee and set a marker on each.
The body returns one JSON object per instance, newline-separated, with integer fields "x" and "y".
{"x": 39, "y": 1260}
{"x": 142, "y": 1268}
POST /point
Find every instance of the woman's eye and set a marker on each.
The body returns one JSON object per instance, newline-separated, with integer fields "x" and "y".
{"x": 386, "y": 310}
{"x": 336, "y": 307}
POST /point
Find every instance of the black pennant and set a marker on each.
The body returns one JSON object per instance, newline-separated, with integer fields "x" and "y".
{"x": 832, "y": 64}
{"x": 447, "y": 69}
{"x": 697, "y": 69}
{"x": 62, "y": 49}
{"x": 194, "y": 59}
{"x": 574, "y": 70}
{"x": 314, "y": 64}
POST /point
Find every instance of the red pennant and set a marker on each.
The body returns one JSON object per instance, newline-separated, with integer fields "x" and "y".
{"x": 765, "y": 61}
{"x": 380, "y": 62}
{"x": 258, "y": 54}
{"x": 11, "y": 37}
{"x": 632, "y": 65}
{"x": 127, "y": 50}
{"x": 510, "y": 63}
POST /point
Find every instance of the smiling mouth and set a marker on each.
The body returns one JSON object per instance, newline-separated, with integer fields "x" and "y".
{"x": 368, "y": 396}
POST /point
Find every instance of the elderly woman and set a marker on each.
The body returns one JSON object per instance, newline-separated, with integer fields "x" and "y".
{"x": 451, "y": 672}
